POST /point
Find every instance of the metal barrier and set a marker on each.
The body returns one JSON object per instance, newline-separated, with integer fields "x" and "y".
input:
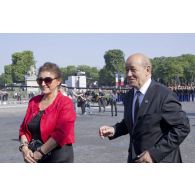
{"x": 14, "y": 102}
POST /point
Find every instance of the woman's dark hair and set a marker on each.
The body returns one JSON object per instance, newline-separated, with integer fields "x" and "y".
{"x": 51, "y": 67}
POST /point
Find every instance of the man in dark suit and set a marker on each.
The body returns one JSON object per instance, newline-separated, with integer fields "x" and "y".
{"x": 153, "y": 117}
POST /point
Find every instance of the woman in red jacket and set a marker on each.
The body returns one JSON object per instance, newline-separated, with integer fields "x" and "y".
{"x": 47, "y": 131}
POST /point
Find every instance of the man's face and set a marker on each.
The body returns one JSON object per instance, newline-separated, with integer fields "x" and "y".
{"x": 137, "y": 74}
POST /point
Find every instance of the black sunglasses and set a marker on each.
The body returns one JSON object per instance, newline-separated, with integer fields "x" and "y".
{"x": 47, "y": 80}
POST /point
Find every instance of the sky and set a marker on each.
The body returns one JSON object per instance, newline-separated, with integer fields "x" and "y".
{"x": 89, "y": 48}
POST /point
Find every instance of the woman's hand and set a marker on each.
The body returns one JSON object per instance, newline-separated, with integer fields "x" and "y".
{"x": 37, "y": 156}
{"x": 28, "y": 155}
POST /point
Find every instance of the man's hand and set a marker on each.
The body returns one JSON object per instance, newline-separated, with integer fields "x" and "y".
{"x": 144, "y": 157}
{"x": 106, "y": 131}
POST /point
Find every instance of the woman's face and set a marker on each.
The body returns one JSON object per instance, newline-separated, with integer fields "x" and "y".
{"x": 48, "y": 82}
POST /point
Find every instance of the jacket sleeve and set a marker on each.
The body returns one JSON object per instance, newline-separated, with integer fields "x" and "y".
{"x": 177, "y": 125}
{"x": 64, "y": 131}
{"x": 120, "y": 129}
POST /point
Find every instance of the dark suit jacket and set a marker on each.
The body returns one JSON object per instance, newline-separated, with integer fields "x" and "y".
{"x": 160, "y": 127}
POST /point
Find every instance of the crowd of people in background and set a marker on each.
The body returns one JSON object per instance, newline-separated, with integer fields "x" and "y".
{"x": 84, "y": 99}
{"x": 104, "y": 97}
{"x": 3, "y": 95}
{"x": 185, "y": 93}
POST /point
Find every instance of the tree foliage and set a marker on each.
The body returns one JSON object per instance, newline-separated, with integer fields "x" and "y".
{"x": 8, "y": 74}
{"x": 106, "y": 77}
{"x": 174, "y": 70}
{"x": 115, "y": 63}
{"x": 92, "y": 73}
{"x": 115, "y": 60}
{"x": 168, "y": 70}
{"x": 2, "y": 80}
{"x": 21, "y": 62}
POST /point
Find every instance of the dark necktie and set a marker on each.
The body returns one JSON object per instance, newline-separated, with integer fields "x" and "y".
{"x": 136, "y": 108}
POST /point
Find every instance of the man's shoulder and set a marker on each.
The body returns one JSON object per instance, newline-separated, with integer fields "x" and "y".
{"x": 159, "y": 87}
{"x": 162, "y": 90}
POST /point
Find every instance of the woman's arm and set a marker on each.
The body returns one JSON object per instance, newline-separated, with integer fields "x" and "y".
{"x": 48, "y": 146}
{"x": 27, "y": 153}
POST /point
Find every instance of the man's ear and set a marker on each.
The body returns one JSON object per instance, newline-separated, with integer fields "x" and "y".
{"x": 148, "y": 68}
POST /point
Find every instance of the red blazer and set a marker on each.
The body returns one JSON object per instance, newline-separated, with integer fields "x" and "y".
{"x": 57, "y": 121}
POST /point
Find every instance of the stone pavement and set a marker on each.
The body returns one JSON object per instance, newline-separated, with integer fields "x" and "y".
{"x": 89, "y": 148}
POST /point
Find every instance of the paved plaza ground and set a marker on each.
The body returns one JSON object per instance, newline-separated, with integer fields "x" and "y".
{"x": 89, "y": 148}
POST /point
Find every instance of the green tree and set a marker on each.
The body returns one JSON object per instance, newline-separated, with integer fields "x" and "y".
{"x": 71, "y": 70}
{"x": 106, "y": 77}
{"x": 115, "y": 60}
{"x": 68, "y": 71}
{"x": 21, "y": 62}
{"x": 92, "y": 73}
{"x": 188, "y": 64}
{"x": 64, "y": 74}
{"x": 8, "y": 74}
{"x": 171, "y": 70}
{"x": 2, "y": 80}
{"x": 115, "y": 63}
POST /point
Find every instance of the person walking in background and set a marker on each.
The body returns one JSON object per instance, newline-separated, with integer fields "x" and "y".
{"x": 47, "y": 131}
{"x": 113, "y": 101}
{"x": 88, "y": 102}
{"x": 74, "y": 95}
{"x": 82, "y": 102}
{"x": 153, "y": 117}
{"x": 101, "y": 101}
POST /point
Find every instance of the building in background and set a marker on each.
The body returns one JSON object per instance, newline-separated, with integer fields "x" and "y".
{"x": 77, "y": 81}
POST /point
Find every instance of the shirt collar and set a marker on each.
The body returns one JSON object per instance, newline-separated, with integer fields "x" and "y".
{"x": 144, "y": 88}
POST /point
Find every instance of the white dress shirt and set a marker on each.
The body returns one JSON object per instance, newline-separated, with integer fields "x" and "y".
{"x": 142, "y": 90}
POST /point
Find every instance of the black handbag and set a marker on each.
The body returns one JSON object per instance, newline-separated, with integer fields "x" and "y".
{"x": 35, "y": 144}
